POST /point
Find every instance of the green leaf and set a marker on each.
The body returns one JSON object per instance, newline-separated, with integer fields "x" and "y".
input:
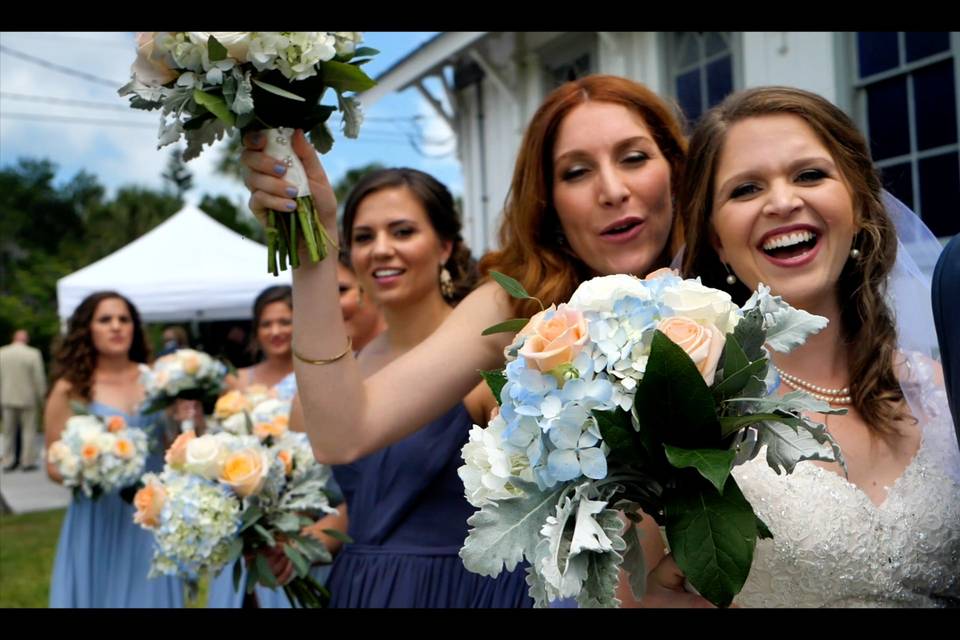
{"x": 264, "y": 575}
{"x": 215, "y": 105}
{"x": 673, "y": 401}
{"x": 283, "y": 93}
{"x": 732, "y": 424}
{"x": 299, "y": 562}
{"x": 216, "y": 50}
{"x": 321, "y": 138}
{"x": 495, "y": 380}
{"x": 711, "y": 537}
{"x": 713, "y": 464}
{"x": 236, "y": 548}
{"x": 286, "y": 522}
{"x": 501, "y": 533}
{"x": 79, "y": 408}
{"x": 634, "y": 562}
{"x": 249, "y": 517}
{"x": 244, "y": 119}
{"x": 336, "y": 534}
{"x": 265, "y": 535}
{"x": 737, "y": 369}
{"x": 616, "y": 430}
{"x": 509, "y": 326}
{"x": 510, "y": 285}
{"x": 365, "y": 51}
{"x": 750, "y": 335}
{"x": 237, "y": 573}
{"x": 346, "y": 77}
{"x": 763, "y": 531}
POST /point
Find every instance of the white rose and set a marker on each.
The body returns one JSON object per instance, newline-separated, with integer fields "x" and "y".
{"x": 87, "y": 428}
{"x": 237, "y": 43}
{"x": 205, "y": 456}
{"x": 106, "y": 441}
{"x": 487, "y": 471}
{"x": 236, "y": 424}
{"x": 599, "y": 294}
{"x": 58, "y": 451}
{"x": 707, "y": 306}
{"x": 69, "y": 465}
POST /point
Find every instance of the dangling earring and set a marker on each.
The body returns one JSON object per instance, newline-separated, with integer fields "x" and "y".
{"x": 446, "y": 283}
{"x": 731, "y": 279}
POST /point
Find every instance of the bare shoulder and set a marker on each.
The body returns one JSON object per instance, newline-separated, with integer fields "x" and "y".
{"x": 374, "y": 356}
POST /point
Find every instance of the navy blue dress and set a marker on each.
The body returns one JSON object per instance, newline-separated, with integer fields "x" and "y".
{"x": 408, "y": 519}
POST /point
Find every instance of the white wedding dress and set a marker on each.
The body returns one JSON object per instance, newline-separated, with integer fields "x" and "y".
{"x": 833, "y": 547}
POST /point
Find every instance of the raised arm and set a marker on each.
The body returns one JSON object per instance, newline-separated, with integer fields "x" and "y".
{"x": 345, "y": 416}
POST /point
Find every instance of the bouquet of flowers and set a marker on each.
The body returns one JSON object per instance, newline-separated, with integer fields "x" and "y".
{"x": 96, "y": 455}
{"x": 635, "y": 395}
{"x": 185, "y": 373}
{"x": 208, "y": 83}
{"x": 223, "y": 497}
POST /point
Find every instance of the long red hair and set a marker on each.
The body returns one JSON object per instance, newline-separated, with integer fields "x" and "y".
{"x": 530, "y": 252}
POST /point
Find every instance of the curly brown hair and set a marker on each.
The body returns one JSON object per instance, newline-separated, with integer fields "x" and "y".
{"x": 75, "y": 357}
{"x": 868, "y": 327}
{"x": 549, "y": 270}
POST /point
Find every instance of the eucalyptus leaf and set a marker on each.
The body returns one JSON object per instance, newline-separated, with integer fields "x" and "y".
{"x": 215, "y": 50}
{"x": 283, "y": 93}
{"x": 346, "y": 77}
{"x": 215, "y": 105}
{"x": 510, "y": 285}
{"x": 508, "y": 326}
{"x": 264, "y": 575}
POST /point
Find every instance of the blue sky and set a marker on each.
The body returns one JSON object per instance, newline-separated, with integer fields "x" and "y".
{"x": 77, "y": 120}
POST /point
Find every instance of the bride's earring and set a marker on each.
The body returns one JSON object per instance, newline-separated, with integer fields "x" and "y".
{"x": 731, "y": 279}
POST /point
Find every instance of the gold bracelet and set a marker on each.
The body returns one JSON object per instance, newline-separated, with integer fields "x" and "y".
{"x": 325, "y": 360}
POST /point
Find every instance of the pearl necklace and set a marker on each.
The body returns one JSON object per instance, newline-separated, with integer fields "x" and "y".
{"x": 827, "y": 394}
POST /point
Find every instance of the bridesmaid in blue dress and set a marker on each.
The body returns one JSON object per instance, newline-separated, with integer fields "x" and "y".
{"x": 407, "y": 510}
{"x": 103, "y": 557}
{"x": 273, "y": 330}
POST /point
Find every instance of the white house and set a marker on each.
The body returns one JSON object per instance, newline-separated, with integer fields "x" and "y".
{"x": 903, "y": 90}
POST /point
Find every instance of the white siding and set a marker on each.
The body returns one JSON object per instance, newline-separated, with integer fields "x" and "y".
{"x": 801, "y": 59}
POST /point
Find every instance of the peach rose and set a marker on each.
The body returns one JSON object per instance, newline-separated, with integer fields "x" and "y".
{"x": 191, "y": 363}
{"x": 116, "y": 423}
{"x": 89, "y": 453}
{"x": 662, "y": 272}
{"x": 244, "y": 471}
{"x": 554, "y": 337}
{"x": 276, "y": 428}
{"x": 124, "y": 448}
{"x": 703, "y": 344}
{"x": 177, "y": 453}
{"x": 148, "y": 68}
{"x": 287, "y": 459}
{"x": 231, "y": 403}
{"x": 149, "y": 502}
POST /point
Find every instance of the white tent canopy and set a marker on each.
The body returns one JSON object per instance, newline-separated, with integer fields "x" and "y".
{"x": 190, "y": 267}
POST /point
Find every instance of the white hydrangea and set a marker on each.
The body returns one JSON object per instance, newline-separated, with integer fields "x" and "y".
{"x": 489, "y": 467}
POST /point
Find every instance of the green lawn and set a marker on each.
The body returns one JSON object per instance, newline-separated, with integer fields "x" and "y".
{"x": 28, "y": 543}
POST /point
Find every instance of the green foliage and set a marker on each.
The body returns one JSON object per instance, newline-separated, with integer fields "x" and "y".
{"x": 49, "y": 229}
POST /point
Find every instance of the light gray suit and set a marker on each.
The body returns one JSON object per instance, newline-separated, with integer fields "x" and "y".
{"x": 22, "y": 388}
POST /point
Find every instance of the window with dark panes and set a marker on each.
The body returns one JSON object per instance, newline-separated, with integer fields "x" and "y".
{"x": 907, "y": 91}
{"x": 702, "y": 70}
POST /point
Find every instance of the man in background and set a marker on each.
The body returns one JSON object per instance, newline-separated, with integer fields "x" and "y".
{"x": 22, "y": 389}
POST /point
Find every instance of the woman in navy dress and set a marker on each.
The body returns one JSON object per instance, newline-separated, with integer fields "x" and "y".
{"x": 103, "y": 557}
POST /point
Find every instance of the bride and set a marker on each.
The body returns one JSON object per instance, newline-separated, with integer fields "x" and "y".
{"x": 780, "y": 189}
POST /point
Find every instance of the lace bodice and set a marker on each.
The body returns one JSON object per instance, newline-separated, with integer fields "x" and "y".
{"x": 833, "y": 547}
